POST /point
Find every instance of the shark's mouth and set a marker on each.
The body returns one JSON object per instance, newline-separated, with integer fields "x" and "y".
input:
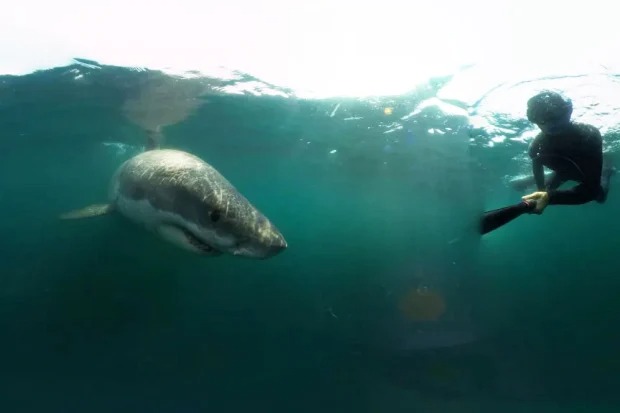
{"x": 198, "y": 243}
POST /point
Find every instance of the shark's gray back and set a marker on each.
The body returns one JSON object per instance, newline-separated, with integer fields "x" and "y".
{"x": 181, "y": 183}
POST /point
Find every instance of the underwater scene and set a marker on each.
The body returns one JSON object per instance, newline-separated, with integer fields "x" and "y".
{"x": 323, "y": 220}
{"x": 382, "y": 295}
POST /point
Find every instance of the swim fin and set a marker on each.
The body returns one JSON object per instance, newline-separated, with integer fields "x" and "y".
{"x": 496, "y": 218}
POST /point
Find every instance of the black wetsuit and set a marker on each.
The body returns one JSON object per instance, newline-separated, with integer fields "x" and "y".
{"x": 574, "y": 155}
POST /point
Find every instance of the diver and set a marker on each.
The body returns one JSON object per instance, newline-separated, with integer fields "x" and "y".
{"x": 572, "y": 151}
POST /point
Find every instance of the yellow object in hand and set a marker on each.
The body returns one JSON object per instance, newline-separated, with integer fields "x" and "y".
{"x": 541, "y": 198}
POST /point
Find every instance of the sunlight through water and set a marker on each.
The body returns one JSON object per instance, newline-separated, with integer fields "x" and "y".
{"x": 317, "y": 48}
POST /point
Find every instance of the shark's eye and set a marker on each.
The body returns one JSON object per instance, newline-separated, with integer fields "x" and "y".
{"x": 214, "y": 215}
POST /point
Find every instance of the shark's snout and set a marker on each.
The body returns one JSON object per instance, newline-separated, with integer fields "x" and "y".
{"x": 279, "y": 244}
{"x": 268, "y": 243}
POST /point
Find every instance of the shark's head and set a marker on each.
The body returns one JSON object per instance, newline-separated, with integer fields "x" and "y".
{"x": 192, "y": 205}
{"x": 241, "y": 230}
{"x": 224, "y": 223}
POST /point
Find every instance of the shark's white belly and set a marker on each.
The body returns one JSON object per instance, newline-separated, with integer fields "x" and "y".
{"x": 171, "y": 227}
{"x": 140, "y": 211}
{"x": 143, "y": 213}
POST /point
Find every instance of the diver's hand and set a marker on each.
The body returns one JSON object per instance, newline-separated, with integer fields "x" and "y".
{"x": 540, "y": 198}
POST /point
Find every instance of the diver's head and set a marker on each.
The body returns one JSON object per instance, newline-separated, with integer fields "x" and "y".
{"x": 550, "y": 111}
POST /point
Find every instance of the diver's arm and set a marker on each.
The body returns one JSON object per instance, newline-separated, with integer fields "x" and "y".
{"x": 537, "y": 166}
{"x": 539, "y": 174}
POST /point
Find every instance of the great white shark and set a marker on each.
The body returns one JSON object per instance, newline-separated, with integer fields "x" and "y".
{"x": 189, "y": 203}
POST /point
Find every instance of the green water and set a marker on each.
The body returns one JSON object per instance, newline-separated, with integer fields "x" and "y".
{"x": 97, "y": 315}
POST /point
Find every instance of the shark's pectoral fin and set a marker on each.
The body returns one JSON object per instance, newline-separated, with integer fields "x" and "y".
{"x": 88, "y": 212}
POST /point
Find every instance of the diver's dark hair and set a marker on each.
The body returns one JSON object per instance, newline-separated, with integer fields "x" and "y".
{"x": 548, "y": 106}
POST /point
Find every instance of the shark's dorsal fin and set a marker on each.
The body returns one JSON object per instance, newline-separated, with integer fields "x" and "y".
{"x": 154, "y": 138}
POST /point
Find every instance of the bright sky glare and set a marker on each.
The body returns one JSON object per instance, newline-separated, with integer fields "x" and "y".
{"x": 316, "y": 47}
